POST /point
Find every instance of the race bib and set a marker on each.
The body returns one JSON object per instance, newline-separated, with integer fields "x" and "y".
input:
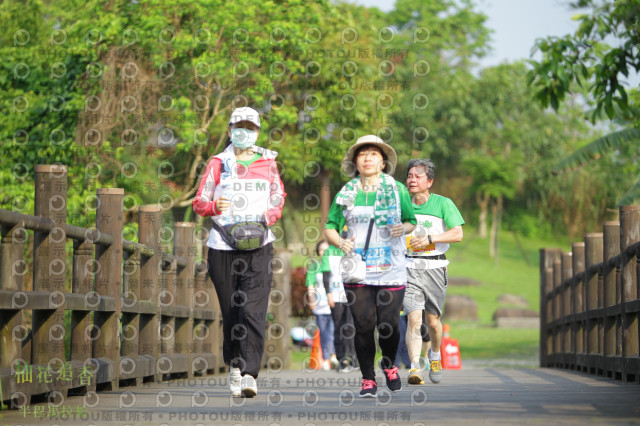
{"x": 378, "y": 259}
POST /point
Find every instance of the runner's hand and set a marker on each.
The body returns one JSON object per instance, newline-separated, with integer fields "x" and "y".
{"x": 332, "y": 302}
{"x": 397, "y": 230}
{"x": 222, "y": 204}
{"x": 346, "y": 245}
{"x": 312, "y": 297}
{"x": 418, "y": 243}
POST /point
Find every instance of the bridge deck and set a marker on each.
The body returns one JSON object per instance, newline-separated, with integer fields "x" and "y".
{"x": 471, "y": 395}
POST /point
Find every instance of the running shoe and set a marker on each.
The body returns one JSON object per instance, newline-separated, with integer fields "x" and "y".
{"x": 369, "y": 389}
{"x": 415, "y": 378}
{"x": 345, "y": 366}
{"x": 334, "y": 362}
{"x": 235, "y": 381}
{"x": 435, "y": 371}
{"x": 393, "y": 380}
{"x": 249, "y": 388}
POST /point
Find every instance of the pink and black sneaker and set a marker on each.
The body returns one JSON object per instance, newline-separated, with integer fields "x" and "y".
{"x": 393, "y": 380}
{"x": 369, "y": 389}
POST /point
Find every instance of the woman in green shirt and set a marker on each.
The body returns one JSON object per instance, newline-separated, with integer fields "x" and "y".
{"x": 374, "y": 200}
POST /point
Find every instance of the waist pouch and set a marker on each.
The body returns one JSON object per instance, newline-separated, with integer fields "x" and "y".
{"x": 243, "y": 235}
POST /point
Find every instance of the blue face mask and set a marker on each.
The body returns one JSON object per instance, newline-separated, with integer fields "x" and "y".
{"x": 243, "y": 138}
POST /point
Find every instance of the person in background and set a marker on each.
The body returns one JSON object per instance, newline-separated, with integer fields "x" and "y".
{"x": 342, "y": 318}
{"x": 319, "y": 304}
{"x": 241, "y": 187}
{"x": 374, "y": 203}
{"x": 403, "y": 354}
{"x": 439, "y": 224}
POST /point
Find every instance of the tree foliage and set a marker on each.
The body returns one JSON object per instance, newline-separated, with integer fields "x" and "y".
{"x": 600, "y": 56}
{"x": 137, "y": 95}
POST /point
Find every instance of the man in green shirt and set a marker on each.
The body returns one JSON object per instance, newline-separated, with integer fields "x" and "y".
{"x": 439, "y": 223}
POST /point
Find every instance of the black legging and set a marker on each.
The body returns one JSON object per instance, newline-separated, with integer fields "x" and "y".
{"x": 387, "y": 302}
{"x": 344, "y": 331}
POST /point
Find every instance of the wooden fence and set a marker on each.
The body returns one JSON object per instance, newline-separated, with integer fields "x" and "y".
{"x": 136, "y": 314}
{"x": 589, "y": 302}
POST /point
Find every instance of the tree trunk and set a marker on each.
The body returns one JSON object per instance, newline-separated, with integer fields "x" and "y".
{"x": 496, "y": 218}
{"x": 325, "y": 195}
{"x": 483, "y": 203}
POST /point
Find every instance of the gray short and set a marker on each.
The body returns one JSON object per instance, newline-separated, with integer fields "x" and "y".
{"x": 426, "y": 289}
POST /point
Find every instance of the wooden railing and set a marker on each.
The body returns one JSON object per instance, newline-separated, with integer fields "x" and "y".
{"x": 134, "y": 314}
{"x": 589, "y": 302}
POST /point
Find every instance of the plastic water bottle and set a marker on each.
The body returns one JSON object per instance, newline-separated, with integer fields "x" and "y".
{"x": 393, "y": 218}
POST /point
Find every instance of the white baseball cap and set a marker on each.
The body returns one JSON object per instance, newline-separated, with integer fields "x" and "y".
{"x": 245, "y": 114}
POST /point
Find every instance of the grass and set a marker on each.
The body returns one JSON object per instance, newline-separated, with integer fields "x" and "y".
{"x": 487, "y": 342}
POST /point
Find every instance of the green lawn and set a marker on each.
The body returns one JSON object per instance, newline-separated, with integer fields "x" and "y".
{"x": 488, "y": 342}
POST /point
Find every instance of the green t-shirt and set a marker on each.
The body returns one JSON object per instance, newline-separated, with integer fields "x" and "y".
{"x": 312, "y": 279}
{"x": 438, "y": 207}
{"x": 434, "y": 217}
{"x": 385, "y": 258}
{"x": 336, "y": 219}
{"x": 246, "y": 163}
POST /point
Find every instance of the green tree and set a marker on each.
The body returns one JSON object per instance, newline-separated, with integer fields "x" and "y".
{"x": 518, "y": 142}
{"x": 587, "y": 58}
{"x": 42, "y": 86}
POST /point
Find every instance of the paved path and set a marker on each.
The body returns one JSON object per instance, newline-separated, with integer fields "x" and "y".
{"x": 469, "y": 396}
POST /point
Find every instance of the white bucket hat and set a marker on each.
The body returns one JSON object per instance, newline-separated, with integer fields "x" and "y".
{"x": 348, "y": 163}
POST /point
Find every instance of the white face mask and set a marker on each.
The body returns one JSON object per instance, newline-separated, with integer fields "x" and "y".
{"x": 243, "y": 138}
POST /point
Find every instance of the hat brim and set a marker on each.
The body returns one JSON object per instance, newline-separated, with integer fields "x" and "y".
{"x": 348, "y": 163}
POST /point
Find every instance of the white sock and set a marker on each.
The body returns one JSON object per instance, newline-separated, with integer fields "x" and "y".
{"x": 434, "y": 356}
{"x": 236, "y": 372}
{"x": 415, "y": 365}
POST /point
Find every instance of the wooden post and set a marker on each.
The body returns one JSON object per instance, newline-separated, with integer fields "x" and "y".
{"x": 551, "y": 349}
{"x": 130, "y": 320}
{"x": 49, "y": 255}
{"x": 629, "y": 234}
{"x": 149, "y": 225}
{"x": 167, "y": 299}
{"x": 12, "y": 269}
{"x": 106, "y": 348}
{"x": 567, "y": 272}
{"x": 277, "y": 344}
{"x": 547, "y": 256}
{"x": 184, "y": 247}
{"x": 557, "y": 310}
{"x": 82, "y": 283}
{"x": 577, "y": 303}
{"x": 611, "y": 248}
{"x": 202, "y": 327}
{"x": 593, "y": 256}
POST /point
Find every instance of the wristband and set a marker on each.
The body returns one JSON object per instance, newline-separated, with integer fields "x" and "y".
{"x": 429, "y": 236}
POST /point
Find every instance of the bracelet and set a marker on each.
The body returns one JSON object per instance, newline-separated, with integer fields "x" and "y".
{"x": 429, "y": 236}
